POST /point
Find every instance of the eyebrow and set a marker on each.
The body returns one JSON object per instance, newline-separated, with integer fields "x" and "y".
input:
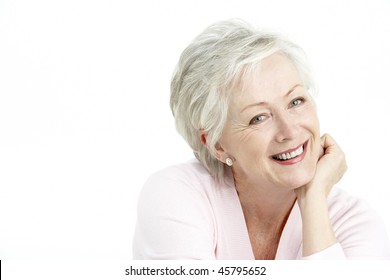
{"x": 262, "y": 102}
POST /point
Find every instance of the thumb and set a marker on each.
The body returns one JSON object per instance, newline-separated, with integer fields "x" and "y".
{"x": 327, "y": 142}
{"x": 322, "y": 146}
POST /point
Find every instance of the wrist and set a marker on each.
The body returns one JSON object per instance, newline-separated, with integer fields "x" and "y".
{"x": 317, "y": 230}
{"x": 307, "y": 197}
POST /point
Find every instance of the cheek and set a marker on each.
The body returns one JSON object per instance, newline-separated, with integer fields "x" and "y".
{"x": 315, "y": 129}
{"x": 248, "y": 145}
{"x": 254, "y": 148}
{"x": 311, "y": 122}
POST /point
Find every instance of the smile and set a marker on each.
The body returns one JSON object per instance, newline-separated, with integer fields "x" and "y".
{"x": 291, "y": 156}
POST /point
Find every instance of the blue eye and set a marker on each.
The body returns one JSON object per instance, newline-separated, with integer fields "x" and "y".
{"x": 257, "y": 119}
{"x": 297, "y": 102}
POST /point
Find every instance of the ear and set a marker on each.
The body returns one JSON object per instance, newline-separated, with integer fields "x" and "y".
{"x": 202, "y": 136}
{"x": 218, "y": 152}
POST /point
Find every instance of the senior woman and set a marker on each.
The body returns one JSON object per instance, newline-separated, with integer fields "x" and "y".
{"x": 262, "y": 183}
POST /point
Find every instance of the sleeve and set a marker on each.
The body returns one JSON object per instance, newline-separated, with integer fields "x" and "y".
{"x": 360, "y": 233}
{"x": 174, "y": 221}
{"x": 334, "y": 252}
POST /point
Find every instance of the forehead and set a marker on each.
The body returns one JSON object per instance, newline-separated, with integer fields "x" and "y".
{"x": 274, "y": 76}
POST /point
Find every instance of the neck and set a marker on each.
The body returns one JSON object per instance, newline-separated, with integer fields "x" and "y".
{"x": 269, "y": 204}
{"x": 266, "y": 208}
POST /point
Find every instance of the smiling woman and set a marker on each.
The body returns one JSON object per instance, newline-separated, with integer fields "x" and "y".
{"x": 288, "y": 123}
{"x": 262, "y": 183}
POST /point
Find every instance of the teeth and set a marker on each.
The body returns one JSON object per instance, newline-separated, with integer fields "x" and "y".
{"x": 290, "y": 155}
{"x": 293, "y": 154}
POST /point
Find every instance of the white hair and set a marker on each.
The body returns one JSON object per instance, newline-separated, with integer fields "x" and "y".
{"x": 208, "y": 71}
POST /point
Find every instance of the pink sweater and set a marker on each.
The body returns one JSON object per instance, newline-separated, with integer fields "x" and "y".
{"x": 183, "y": 213}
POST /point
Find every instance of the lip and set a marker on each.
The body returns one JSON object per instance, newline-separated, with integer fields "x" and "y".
{"x": 293, "y": 160}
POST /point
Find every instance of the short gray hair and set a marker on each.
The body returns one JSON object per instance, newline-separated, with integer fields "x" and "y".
{"x": 206, "y": 74}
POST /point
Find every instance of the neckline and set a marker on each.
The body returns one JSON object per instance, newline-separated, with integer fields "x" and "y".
{"x": 291, "y": 238}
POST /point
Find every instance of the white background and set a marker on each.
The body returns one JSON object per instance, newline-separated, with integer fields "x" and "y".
{"x": 84, "y": 108}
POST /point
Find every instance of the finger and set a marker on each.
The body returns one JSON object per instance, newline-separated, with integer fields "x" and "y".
{"x": 322, "y": 146}
{"x": 321, "y": 149}
{"x": 327, "y": 141}
{"x": 330, "y": 145}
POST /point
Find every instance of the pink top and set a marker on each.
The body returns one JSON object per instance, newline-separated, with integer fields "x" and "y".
{"x": 183, "y": 213}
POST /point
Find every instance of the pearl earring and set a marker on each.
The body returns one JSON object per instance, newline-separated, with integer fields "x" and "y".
{"x": 229, "y": 162}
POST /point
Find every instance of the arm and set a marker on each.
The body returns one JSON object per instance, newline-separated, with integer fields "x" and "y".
{"x": 318, "y": 233}
{"x": 359, "y": 230}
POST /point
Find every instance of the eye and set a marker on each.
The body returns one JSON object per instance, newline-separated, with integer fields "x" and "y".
{"x": 257, "y": 119}
{"x": 297, "y": 102}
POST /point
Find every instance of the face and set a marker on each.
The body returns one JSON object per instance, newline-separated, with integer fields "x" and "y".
{"x": 272, "y": 132}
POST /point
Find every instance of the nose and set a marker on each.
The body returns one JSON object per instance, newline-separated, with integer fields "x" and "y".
{"x": 286, "y": 128}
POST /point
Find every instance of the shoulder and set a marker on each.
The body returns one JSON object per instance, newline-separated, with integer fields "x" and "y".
{"x": 176, "y": 188}
{"x": 175, "y": 218}
{"x": 189, "y": 176}
{"x": 187, "y": 170}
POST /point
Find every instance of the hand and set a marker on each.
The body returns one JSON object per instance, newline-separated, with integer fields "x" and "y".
{"x": 317, "y": 230}
{"x": 331, "y": 167}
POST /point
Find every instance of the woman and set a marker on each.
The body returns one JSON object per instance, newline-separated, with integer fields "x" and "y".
{"x": 262, "y": 184}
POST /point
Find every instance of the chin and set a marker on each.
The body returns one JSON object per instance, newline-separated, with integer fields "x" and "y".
{"x": 298, "y": 184}
{"x": 299, "y": 180}
{"x": 302, "y": 175}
